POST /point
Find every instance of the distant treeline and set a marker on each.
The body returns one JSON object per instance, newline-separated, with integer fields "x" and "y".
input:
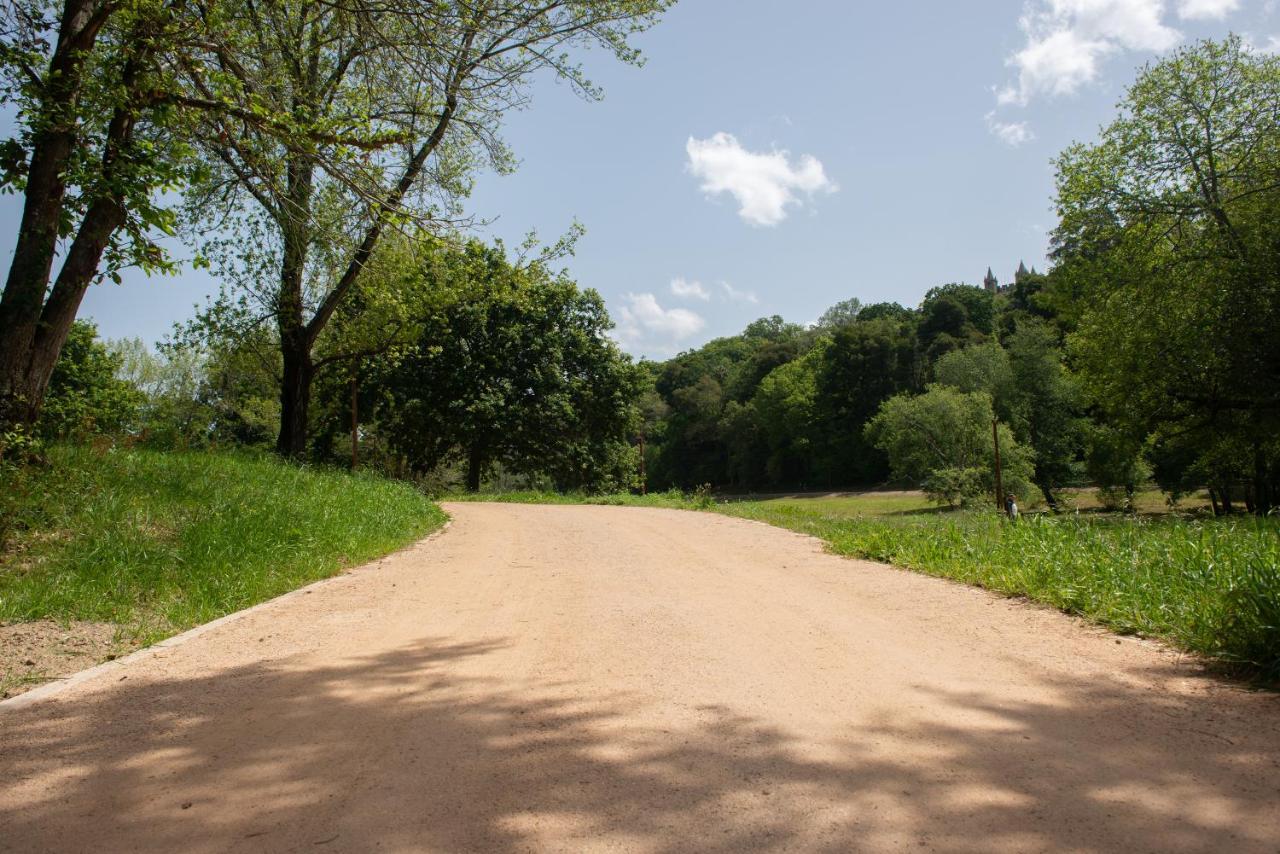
{"x": 1149, "y": 351}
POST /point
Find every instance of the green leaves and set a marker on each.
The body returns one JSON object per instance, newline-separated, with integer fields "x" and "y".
{"x": 1169, "y": 262}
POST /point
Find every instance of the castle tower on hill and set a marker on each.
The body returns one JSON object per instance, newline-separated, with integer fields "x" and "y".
{"x": 992, "y": 284}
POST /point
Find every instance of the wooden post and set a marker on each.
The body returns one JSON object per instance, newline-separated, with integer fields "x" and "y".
{"x": 355, "y": 424}
{"x": 995, "y": 438}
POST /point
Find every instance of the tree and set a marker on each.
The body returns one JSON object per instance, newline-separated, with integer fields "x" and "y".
{"x": 1046, "y": 411}
{"x": 85, "y": 394}
{"x": 953, "y": 317}
{"x": 985, "y": 368}
{"x": 785, "y": 407}
{"x": 942, "y": 440}
{"x": 95, "y": 148}
{"x": 424, "y": 83}
{"x": 511, "y": 366}
{"x": 864, "y": 365}
{"x": 840, "y": 314}
{"x": 1169, "y": 262}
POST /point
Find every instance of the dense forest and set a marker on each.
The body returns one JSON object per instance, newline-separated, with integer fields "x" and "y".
{"x": 1149, "y": 350}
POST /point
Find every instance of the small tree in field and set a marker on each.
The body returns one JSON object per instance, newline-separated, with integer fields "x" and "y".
{"x": 942, "y": 440}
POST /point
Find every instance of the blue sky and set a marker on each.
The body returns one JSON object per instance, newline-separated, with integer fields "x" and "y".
{"x": 777, "y": 158}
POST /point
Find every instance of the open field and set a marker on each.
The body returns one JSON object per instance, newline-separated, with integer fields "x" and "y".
{"x": 153, "y": 543}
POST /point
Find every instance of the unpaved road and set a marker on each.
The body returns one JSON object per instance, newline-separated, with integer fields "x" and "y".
{"x": 599, "y": 678}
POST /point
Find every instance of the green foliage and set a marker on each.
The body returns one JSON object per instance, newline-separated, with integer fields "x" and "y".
{"x": 159, "y": 542}
{"x": 942, "y": 440}
{"x": 865, "y": 364}
{"x": 1115, "y": 464}
{"x": 840, "y": 314}
{"x": 85, "y": 397}
{"x": 954, "y": 316}
{"x": 511, "y": 366}
{"x": 1169, "y": 266}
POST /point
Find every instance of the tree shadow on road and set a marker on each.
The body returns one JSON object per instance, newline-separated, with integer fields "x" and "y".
{"x": 397, "y": 752}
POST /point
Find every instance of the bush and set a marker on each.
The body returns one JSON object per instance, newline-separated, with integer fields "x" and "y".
{"x": 958, "y": 487}
{"x": 942, "y": 439}
{"x": 85, "y": 397}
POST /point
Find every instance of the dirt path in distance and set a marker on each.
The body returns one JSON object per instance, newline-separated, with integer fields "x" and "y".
{"x": 626, "y": 679}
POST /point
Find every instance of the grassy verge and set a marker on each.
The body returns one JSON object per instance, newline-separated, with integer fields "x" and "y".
{"x": 1207, "y": 585}
{"x": 160, "y": 542}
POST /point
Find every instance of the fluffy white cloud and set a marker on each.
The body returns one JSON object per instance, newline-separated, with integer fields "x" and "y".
{"x": 735, "y": 295}
{"x": 1068, "y": 39}
{"x": 1199, "y": 10}
{"x": 642, "y": 319}
{"x": 764, "y": 184}
{"x": 1010, "y": 133}
{"x": 689, "y": 289}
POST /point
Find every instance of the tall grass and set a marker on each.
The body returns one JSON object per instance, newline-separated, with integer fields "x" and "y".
{"x": 1207, "y": 585}
{"x": 159, "y": 542}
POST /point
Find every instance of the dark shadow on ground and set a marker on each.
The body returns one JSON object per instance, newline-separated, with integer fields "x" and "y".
{"x": 394, "y": 752}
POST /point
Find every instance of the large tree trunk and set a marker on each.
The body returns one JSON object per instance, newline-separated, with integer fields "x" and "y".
{"x": 25, "y": 363}
{"x": 295, "y": 338}
{"x": 475, "y": 467}
{"x": 77, "y": 272}
{"x": 295, "y": 399}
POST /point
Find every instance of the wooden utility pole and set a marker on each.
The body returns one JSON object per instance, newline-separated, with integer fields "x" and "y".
{"x": 995, "y": 438}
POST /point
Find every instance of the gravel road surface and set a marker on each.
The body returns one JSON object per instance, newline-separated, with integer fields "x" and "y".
{"x": 625, "y": 679}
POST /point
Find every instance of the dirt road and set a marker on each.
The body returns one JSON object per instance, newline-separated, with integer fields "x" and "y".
{"x": 598, "y": 678}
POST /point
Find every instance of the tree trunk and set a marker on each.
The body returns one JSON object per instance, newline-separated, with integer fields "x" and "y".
{"x": 22, "y": 363}
{"x": 475, "y": 467}
{"x": 295, "y": 397}
{"x": 1262, "y": 497}
{"x": 295, "y": 339}
{"x": 1049, "y": 497}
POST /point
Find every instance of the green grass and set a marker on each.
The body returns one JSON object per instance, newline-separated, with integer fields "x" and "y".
{"x": 1206, "y": 585}
{"x": 160, "y": 542}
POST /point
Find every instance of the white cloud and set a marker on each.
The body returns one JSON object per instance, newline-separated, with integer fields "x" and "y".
{"x": 735, "y": 295}
{"x": 1271, "y": 45}
{"x": 643, "y": 318}
{"x": 764, "y": 184}
{"x": 1068, "y": 39}
{"x": 689, "y": 289}
{"x": 1200, "y": 10}
{"x": 1010, "y": 133}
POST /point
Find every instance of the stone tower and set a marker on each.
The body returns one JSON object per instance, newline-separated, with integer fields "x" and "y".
{"x": 990, "y": 282}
